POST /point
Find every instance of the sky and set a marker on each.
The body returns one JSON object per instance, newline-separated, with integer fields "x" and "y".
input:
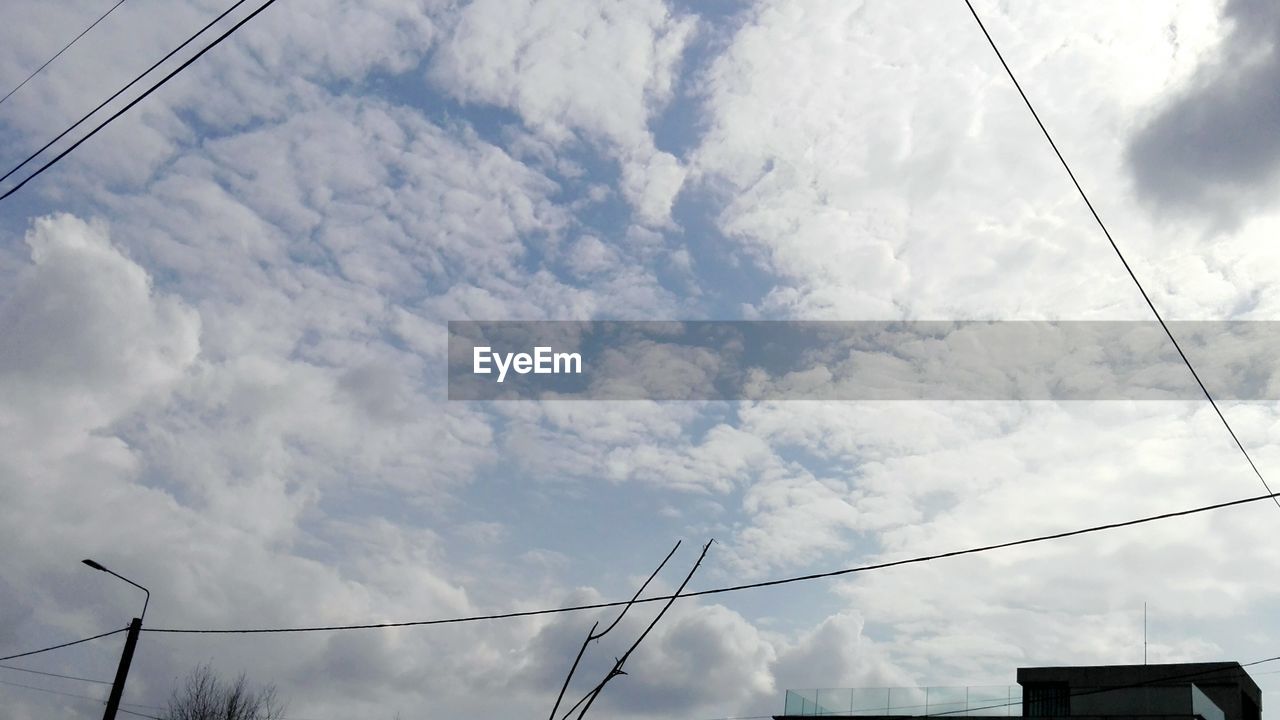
{"x": 223, "y": 345}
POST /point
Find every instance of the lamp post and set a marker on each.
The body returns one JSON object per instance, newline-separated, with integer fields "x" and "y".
{"x": 130, "y": 642}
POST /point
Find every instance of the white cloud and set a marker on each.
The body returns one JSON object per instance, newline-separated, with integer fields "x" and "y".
{"x": 85, "y": 336}
{"x": 237, "y": 396}
{"x": 273, "y": 65}
{"x": 651, "y": 180}
{"x": 836, "y": 654}
{"x": 882, "y": 166}
{"x": 599, "y": 71}
{"x": 566, "y": 65}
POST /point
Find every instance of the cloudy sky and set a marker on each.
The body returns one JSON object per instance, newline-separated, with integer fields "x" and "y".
{"x": 223, "y": 343}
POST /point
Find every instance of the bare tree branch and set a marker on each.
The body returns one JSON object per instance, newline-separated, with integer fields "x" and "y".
{"x": 204, "y": 697}
{"x": 592, "y": 635}
{"x": 616, "y": 670}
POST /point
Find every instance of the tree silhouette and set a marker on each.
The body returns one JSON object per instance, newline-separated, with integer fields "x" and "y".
{"x": 205, "y": 696}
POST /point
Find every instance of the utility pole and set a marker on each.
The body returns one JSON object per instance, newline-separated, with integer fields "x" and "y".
{"x": 122, "y": 672}
{"x": 130, "y": 642}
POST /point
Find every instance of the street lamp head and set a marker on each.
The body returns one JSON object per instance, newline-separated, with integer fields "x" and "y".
{"x": 96, "y": 566}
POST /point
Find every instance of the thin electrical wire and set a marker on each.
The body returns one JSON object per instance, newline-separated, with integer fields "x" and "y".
{"x": 53, "y": 692}
{"x": 1132, "y": 275}
{"x": 122, "y": 90}
{"x": 99, "y": 701}
{"x": 138, "y": 714}
{"x": 74, "y": 40}
{"x": 138, "y": 99}
{"x": 732, "y": 588}
{"x": 65, "y": 644}
{"x": 72, "y": 677}
{"x": 52, "y": 674}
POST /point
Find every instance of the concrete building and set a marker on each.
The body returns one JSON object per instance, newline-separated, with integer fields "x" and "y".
{"x": 1181, "y": 691}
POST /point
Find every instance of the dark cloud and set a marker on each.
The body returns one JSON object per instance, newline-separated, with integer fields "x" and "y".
{"x": 1215, "y": 149}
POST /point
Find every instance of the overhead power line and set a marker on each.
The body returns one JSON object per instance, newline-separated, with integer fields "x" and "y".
{"x": 141, "y": 715}
{"x": 122, "y": 90}
{"x": 1114, "y": 246}
{"x": 732, "y": 588}
{"x": 52, "y": 692}
{"x": 99, "y": 701}
{"x": 138, "y": 99}
{"x": 35, "y": 72}
{"x": 65, "y": 644}
{"x": 51, "y": 674}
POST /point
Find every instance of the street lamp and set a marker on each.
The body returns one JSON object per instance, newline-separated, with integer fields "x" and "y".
{"x": 130, "y": 642}
{"x": 97, "y": 566}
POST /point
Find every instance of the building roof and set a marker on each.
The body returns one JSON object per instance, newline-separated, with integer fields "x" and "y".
{"x": 1162, "y": 675}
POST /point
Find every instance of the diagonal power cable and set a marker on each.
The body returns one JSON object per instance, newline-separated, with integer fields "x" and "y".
{"x": 65, "y": 644}
{"x": 734, "y": 588}
{"x": 1116, "y": 247}
{"x": 138, "y": 99}
{"x": 122, "y": 90}
{"x": 33, "y": 671}
{"x": 35, "y": 72}
{"x": 99, "y": 701}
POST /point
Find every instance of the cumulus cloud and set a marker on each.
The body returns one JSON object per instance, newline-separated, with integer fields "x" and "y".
{"x": 232, "y": 387}
{"x": 595, "y": 71}
{"x": 271, "y": 67}
{"x": 86, "y": 337}
{"x": 566, "y": 65}
{"x": 1212, "y": 148}
{"x": 884, "y": 168}
{"x": 700, "y": 659}
{"x": 836, "y": 654}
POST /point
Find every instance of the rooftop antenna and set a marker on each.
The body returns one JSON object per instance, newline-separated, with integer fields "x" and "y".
{"x": 1144, "y": 632}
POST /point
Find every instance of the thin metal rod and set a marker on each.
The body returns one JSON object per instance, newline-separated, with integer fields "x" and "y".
{"x": 99, "y": 566}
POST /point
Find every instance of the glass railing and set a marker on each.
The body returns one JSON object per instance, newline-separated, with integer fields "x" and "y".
{"x": 986, "y": 700}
